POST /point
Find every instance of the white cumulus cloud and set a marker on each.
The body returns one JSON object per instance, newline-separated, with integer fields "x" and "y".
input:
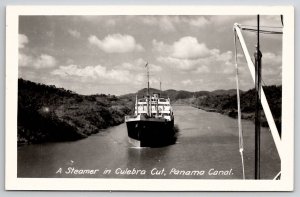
{"x": 23, "y": 39}
{"x": 188, "y": 54}
{"x": 44, "y": 61}
{"x": 95, "y": 72}
{"x": 116, "y": 43}
{"x": 189, "y": 48}
{"x": 182, "y": 64}
{"x": 185, "y": 48}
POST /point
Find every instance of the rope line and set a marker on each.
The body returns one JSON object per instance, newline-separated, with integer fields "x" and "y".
{"x": 241, "y": 141}
{"x": 262, "y": 26}
{"x": 264, "y": 102}
{"x": 262, "y": 31}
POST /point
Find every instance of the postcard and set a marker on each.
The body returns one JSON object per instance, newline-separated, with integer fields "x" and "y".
{"x": 150, "y": 98}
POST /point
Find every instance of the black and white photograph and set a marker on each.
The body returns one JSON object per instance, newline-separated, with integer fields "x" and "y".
{"x": 188, "y": 95}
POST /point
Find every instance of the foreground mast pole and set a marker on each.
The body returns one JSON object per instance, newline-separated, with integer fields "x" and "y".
{"x": 258, "y": 56}
{"x": 263, "y": 99}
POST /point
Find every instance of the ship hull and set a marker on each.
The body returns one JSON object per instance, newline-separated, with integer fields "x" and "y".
{"x": 151, "y": 132}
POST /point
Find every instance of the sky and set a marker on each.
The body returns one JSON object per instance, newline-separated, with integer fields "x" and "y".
{"x": 107, "y": 54}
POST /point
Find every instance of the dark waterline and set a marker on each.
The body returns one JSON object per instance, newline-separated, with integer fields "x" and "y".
{"x": 207, "y": 144}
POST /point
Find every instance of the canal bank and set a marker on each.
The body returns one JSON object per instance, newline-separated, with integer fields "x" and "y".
{"x": 207, "y": 143}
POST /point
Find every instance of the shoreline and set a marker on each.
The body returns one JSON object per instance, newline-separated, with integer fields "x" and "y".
{"x": 233, "y": 114}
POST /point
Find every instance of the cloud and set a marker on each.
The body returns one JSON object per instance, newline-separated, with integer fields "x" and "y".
{"x": 271, "y": 58}
{"x": 165, "y": 23}
{"x": 189, "y": 48}
{"x": 155, "y": 68}
{"x": 187, "y": 82}
{"x": 271, "y": 64}
{"x": 202, "y": 69}
{"x": 161, "y": 47}
{"x": 182, "y": 64}
{"x": 22, "y": 40}
{"x": 98, "y": 72}
{"x": 74, "y": 33}
{"x": 91, "y": 72}
{"x": 116, "y": 43}
{"x": 139, "y": 65}
{"x": 188, "y": 54}
{"x": 43, "y": 61}
{"x": 24, "y": 60}
{"x": 199, "y": 22}
{"x": 171, "y": 23}
{"x": 185, "y": 48}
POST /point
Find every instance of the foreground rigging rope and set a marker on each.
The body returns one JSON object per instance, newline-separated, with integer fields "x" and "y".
{"x": 264, "y": 102}
{"x": 241, "y": 141}
{"x": 262, "y": 31}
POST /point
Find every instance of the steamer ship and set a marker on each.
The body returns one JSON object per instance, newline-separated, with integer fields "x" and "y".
{"x": 152, "y": 123}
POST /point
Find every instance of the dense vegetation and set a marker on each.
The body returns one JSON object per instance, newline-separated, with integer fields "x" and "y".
{"x": 227, "y": 104}
{"x": 176, "y": 95}
{"x": 47, "y": 113}
{"x": 224, "y": 101}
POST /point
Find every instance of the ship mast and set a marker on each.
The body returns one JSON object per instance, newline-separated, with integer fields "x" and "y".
{"x": 148, "y": 91}
{"x": 160, "y": 85}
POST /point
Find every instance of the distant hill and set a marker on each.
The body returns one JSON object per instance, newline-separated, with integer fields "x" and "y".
{"x": 175, "y": 95}
{"x": 222, "y": 101}
{"x": 47, "y": 113}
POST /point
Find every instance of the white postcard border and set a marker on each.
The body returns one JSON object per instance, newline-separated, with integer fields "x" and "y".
{"x": 287, "y": 161}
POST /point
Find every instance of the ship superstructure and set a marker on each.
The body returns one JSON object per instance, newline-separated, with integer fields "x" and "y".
{"x": 152, "y": 123}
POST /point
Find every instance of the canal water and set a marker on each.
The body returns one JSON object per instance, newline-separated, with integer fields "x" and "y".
{"x": 206, "y": 148}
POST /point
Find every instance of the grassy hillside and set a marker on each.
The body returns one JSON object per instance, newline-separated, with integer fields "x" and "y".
{"x": 47, "y": 113}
